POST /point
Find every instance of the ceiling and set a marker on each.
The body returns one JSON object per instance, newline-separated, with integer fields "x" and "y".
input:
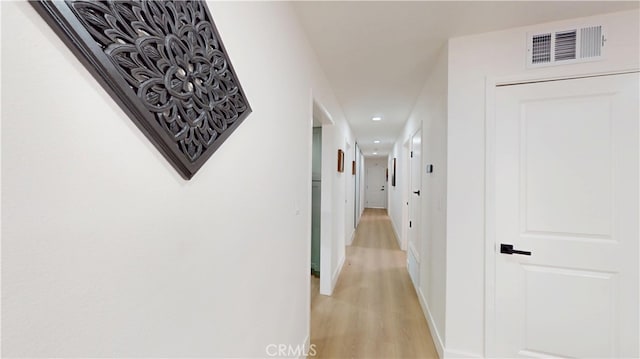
{"x": 377, "y": 55}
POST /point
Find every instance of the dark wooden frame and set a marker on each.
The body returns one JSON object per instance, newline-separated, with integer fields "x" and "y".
{"x": 340, "y": 160}
{"x": 62, "y": 19}
{"x": 353, "y": 167}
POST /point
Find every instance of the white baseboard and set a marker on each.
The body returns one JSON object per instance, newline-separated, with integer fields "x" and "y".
{"x": 413, "y": 267}
{"x": 306, "y": 346}
{"x": 336, "y": 274}
{"x": 435, "y": 335}
{"x": 459, "y": 354}
{"x": 411, "y": 250}
{"x": 351, "y": 237}
{"x": 395, "y": 230}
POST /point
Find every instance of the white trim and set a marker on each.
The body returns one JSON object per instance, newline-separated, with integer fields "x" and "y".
{"x": 349, "y": 228}
{"x": 309, "y": 222}
{"x": 327, "y": 188}
{"x": 443, "y": 352}
{"x": 406, "y": 193}
{"x": 325, "y": 118}
{"x": 491, "y": 82}
{"x": 459, "y": 354}
{"x": 336, "y": 274}
{"x": 351, "y": 237}
{"x": 435, "y": 335}
{"x": 489, "y": 218}
{"x": 418, "y": 220}
{"x": 395, "y": 231}
{"x": 414, "y": 252}
{"x": 305, "y": 346}
{"x": 531, "y": 78}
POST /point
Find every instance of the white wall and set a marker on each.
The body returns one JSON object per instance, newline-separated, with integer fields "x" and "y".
{"x": 471, "y": 60}
{"x": 353, "y": 217}
{"x": 395, "y": 201}
{"x": 349, "y": 198}
{"x": 106, "y": 251}
{"x": 362, "y": 178}
{"x": 429, "y": 114}
{"x": 336, "y": 134}
{"x": 336, "y": 190}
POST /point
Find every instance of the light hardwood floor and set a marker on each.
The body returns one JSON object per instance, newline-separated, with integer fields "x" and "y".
{"x": 374, "y": 311}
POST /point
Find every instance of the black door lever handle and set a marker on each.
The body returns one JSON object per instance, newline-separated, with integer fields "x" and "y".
{"x": 417, "y": 192}
{"x": 508, "y": 249}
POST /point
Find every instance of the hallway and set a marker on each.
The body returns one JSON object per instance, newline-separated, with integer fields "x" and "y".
{"x": 374, "y": 311}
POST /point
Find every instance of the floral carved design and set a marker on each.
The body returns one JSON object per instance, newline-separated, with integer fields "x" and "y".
{"x": 170, "y": 55}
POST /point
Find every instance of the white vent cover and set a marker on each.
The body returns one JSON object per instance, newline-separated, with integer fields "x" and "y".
{"x": 592, "y": 41}
{"x": 541, "y": 49}
{"x": 565, "y": 46}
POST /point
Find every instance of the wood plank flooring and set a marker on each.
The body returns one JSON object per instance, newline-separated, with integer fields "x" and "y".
{"x": 374, "y": 311}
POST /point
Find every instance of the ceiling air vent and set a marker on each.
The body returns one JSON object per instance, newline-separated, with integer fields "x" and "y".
{"x": 541, "y": 52}
{"x": 591, "y": 41}
{"x": 565, "y": 46}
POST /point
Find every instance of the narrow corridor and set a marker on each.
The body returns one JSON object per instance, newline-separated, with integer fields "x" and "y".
{"x": 374, "y": 311}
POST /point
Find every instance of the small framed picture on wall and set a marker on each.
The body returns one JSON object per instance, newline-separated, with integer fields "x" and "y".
{"x": 340, "y": 160}
{"x": 393, "y": 176}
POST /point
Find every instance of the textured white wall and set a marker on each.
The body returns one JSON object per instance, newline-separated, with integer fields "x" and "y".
{"x": 335, "y": 190}
{"x": 106, "y": 251}
{"x": 432, "y": 109}
{"x": 395, "y": 201}
{"x": 429, "y": 114}
{"x": 471, "y": 60}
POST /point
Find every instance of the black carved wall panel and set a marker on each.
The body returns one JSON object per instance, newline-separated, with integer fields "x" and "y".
{"x": 164, "y": 63}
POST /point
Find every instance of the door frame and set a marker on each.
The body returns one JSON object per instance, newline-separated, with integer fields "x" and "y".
{"x": 349, "y": 228}
{"x": 491, "y": 83}
{"x": 326, "y": 222}
{"x": 411, "y": 248}
{"x": 356, "y": 188}
{"x": 385, "y": 165}
{"x": 406, "y": 192}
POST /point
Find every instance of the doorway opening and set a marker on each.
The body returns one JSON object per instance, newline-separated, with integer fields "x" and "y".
{"x": 316, "y": 200}
{"x": 406, "y": 192}
{"x": 356, "y": 185}
{"x": 320, "y": 249}
{"x": 376, "y": 182}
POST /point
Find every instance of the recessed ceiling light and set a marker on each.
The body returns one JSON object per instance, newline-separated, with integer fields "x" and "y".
{"x": 376, "y": 118}
{"x": 376, "y": 141}
{"x": 375, "y": 153}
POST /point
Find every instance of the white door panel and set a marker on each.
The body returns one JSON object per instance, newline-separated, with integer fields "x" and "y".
{"x": 566, "y": 189}
{"x": 550, "y": 187}
{"x": 376, "y": 194}
{"x": 415, "y": 207}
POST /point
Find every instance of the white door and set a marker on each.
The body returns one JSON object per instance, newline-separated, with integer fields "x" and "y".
{"x": 415, "y": 206}
{"x": 566, "y": 190}
{"x": 376, "y": 194}
{"x": 348, "y": 210}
